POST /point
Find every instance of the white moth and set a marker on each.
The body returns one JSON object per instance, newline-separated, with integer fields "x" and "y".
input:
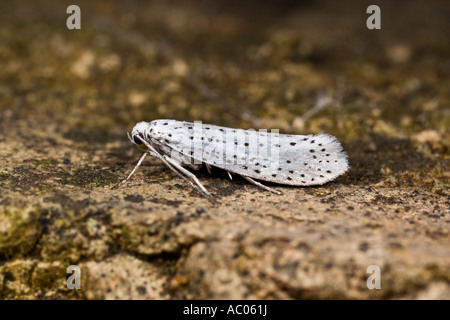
{"x": 296, "y": 160}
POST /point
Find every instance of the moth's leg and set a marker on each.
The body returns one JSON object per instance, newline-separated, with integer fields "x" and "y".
{"x": 179, "y": 170}
{"x": 229, "y": 174}
{"x": 134, "y": 170}
{"x": 151, "y": 150}
{"x": 187, "y": 174}
{"x": 174, "y": 166}
{"x": 259, "y": 184}
{"x": 208, "y": 167}
{"x": 174, "y": 169}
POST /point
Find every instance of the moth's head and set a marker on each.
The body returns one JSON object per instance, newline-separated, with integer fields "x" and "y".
{"x": 138, "y": 135}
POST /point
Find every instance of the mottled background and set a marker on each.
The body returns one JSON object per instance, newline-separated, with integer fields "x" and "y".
{"x": 68, "y": 97}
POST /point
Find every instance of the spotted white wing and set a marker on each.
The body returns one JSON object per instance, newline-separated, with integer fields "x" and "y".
{"x": 285, "y": 159}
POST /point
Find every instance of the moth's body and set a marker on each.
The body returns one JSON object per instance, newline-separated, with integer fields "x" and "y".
{"x": 297, "y": 160}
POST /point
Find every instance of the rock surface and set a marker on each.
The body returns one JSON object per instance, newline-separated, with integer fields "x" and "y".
{"x": 67, "y": 98}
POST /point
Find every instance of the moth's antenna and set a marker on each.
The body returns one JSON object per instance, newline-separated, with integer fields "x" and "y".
{"x": 129, "y": 137}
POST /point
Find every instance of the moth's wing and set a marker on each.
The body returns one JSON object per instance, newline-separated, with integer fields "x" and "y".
{"x": 311, "y": 160}
{"x": 285, "y": 159}
{"x": 176, "y": 139}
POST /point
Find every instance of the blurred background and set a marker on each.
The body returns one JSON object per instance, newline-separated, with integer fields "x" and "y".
{"x": 252, "y": 63}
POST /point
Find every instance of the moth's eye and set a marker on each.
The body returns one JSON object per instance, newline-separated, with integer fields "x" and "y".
{"x": 137, "y": 140}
